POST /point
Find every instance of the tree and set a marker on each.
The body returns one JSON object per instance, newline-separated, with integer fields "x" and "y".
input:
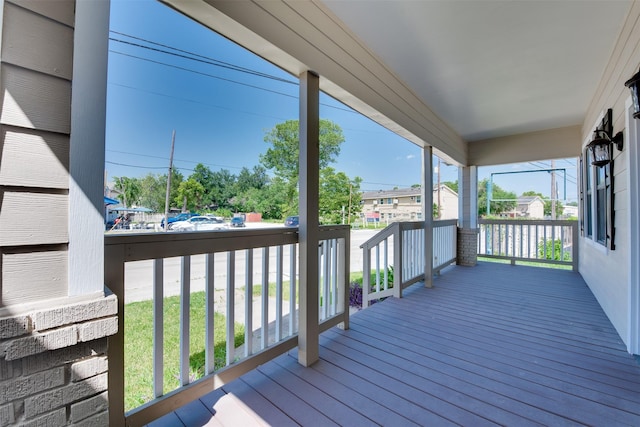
{"x": 506, "y": 203}
{"x": 452, "y": 185}
{"x": 282, "y": 155}
{"x": 203, "y": 175}
{"x": 129, "y": 188}
{"x": 153, "y": 189}
{"x": 247, "y": 179}
{"x": 338, "y": 192}
{"x": 189, "y": 194}
{"x": 222, "y": 188}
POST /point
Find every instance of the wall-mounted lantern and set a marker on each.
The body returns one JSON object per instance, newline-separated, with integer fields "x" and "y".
{"x": 634, "y": 85}
{"x": 601, "y": 145}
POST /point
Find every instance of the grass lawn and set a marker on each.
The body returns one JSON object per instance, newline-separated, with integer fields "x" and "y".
{"x": 528, "y": 263}
{"x": 138, "y": 356}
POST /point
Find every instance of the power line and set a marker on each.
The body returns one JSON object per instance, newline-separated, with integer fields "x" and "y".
{"x": 202, "y": 73}
{"x": 177, "y": 160}
{"x": 210, "y": 61}
{"x": 204, "y": 59}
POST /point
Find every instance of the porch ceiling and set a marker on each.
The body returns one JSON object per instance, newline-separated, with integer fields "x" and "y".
{"x": 493, "y": 68}
{"x": 439, "y": 72}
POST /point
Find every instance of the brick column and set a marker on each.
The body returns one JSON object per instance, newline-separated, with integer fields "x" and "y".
{"x": 53, "y": 365}
{"x": 467, "y": 247}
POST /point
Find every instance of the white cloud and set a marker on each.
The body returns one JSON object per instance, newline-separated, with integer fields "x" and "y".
{"x": 410, "y": 156}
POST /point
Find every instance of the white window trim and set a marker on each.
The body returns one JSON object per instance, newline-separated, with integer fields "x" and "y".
{"x": 632, "y": 127}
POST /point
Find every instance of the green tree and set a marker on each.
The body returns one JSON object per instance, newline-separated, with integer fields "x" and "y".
{"x": 452, "y": 185}
{"x": 129, "y": 189}
{"x": 189, "y": 194}
{"x": 256, "y": 178}
{"x": 282, "y": 155}
{"x": 153, "y": 189}
{"x": 222, "y": 189}
{"x": 338, "y": 192}
{"x": 203, "y": 175}
{"x": 508, "y": 199}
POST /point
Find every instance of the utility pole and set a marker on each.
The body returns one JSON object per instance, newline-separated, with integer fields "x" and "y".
{"x": 553, "y": 190}
{"x": 166, "y": 200}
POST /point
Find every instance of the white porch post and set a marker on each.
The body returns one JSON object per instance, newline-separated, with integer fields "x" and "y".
{"x": 86, "y": 155}
{"x": 308, "y": 333}
{"x": 427, "y": 209}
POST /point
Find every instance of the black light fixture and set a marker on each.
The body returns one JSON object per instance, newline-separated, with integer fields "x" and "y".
{"x": 633, "y": 84}
{"x": 602, "y": 142}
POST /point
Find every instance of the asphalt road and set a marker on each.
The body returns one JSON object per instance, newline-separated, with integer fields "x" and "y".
{"x": 139, "y": 274}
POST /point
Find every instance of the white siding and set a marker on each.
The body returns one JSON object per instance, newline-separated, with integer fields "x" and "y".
{"x": 607, "y": 272}
{"x": 33, "y": 159}
{"x": 35, "y": 121}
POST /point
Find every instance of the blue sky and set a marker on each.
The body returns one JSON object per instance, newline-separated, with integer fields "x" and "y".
{"x": 221, "y": 114}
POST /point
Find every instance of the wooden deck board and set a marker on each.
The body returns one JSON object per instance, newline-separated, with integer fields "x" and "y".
{"x": 493, "y": 344}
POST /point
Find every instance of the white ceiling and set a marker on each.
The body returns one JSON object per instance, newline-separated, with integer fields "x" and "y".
{"x": 493, "y": 68}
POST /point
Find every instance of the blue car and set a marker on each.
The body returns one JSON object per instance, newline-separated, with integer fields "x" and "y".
{"x": 292, "y": 221}
{"x": 237, "y": 221}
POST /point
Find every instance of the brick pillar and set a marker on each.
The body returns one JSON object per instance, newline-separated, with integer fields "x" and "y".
{"x": 467, "y": 246}
{"x": 53, "y": 365}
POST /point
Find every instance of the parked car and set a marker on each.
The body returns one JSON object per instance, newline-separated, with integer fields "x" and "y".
{"x": 198, "y": 223}
{"x": 237, "y": 221}
{"x": 180, "y": 217}
{"x": 292, "y": 221}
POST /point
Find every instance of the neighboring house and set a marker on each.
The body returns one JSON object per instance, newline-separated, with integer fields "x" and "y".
{"x": 56, "y": 314}
{"x": 405, "y": 204}
{"x": 570, "y": 211}
{"x": 528, "y": 207}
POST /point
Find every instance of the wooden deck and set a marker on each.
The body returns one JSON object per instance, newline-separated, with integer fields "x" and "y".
{"x": 494, "y": 344}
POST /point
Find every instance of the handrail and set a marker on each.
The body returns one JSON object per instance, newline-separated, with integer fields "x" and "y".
{"x": 404, "y": 242}
{"x": 236, "y": 248}
{"x": 540, "y": 241}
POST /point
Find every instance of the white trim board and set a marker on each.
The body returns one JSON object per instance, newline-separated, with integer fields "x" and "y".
{"x": 633, "y": 184}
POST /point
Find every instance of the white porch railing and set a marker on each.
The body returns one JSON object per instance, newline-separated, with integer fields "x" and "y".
{"x": 235, "y": 253}
{"x": 402, "y": 244}
{"x": 541, "y": 241}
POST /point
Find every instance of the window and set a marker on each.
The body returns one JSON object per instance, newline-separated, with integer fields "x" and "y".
{"x": 597, "y": 199}
{"x": 418, "y": 199}
{"x": 382, "y": 201}
{"x": 389, "y": 201}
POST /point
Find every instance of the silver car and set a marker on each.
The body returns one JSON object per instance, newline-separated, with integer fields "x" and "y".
{"x": 199, "y": 223}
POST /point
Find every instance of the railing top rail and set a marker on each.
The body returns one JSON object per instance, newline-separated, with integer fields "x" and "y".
{"x": 142, "y": 246}
{"x": 445, "y": 223}
{"x": 334, "y": 231}
{"x": 389, "y": 230}
{"x": 568, "y": 222}
{"x": 402, "y": 226}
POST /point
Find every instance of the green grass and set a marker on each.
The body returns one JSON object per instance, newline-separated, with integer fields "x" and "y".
{"x": 139, "y": 344}
{"x": 527, "y": 263}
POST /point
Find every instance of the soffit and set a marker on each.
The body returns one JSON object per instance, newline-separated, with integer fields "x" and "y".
{"x": 493, "y": 68}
